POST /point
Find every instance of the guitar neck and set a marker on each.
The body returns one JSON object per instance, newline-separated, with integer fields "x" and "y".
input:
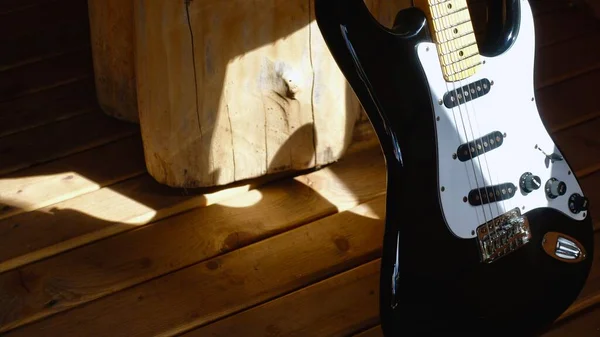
{"x": 453, "y": 33}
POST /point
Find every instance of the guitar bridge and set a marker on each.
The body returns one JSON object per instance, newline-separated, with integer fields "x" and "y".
{"x": 503, "y": 235}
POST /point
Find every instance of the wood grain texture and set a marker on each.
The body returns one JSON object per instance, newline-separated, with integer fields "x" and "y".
{"x": 593, "y": 6}
{"x": 590, "y": 294}
{"x": 581, "y": 146}
{"x": 60, "y": 139}
{"x": 584, "y": 324}
{"x": 77, "y": 199}
{"x": 138, "y": 258}
{"x": 240, "y": 95}
{"x": 37, "y": 16}
{"x": 591, "y": 185}
{"x": 222, "y": 285}
{"x": 99, "y": 269}
{"x": 112, "y": 44}
{"x": 63, "y": 37}
{"x": 556, "y": 63}
{"x": 47, "y": 106}
{"x": 47, "y": 73}
{"x": 11, "y": 6}
{"x": 68, "y": 177}
{"x": 560, "y": 111}
{"x": 372, "y": 332}
{"x": 337, "y": 306}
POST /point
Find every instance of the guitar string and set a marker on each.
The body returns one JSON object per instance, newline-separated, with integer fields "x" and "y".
{"x": 503, "y": 201}
{"x": 470, "y": 153}
{"x": 460, "y": 141}
{"x": 478, "y": 142}
{"x": 471, "y": 156}
{"x": 473, "y": 164}
{"x": 472, "y": 102}
{"x": 497, "y": 191}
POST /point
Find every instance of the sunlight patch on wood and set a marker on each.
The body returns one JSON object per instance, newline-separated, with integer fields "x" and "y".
{"x": 247, "y": 200}
{"x": 365, "y": 210}
{"x": 24, "y": 193}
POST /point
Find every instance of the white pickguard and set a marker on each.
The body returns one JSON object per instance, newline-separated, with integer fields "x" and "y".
{"x": 507, "y": 108}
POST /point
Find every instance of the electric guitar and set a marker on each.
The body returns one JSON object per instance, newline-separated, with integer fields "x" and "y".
{"x": 487, "y": 229}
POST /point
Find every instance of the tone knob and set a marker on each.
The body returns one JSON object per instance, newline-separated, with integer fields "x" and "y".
{"x": 555, "y": 188}
{"x": 577, "y": 203}
{"x": 530, "y": 182}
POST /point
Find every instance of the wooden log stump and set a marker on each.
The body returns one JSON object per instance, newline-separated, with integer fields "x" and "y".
{"x": 227, "y": 90}
{"x": 112, "y": 43}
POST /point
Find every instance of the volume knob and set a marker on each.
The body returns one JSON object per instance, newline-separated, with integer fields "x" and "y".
{"x": 530, "y": 182}
{"x": 577, "y": 203}
{"x": 555, "y": 188}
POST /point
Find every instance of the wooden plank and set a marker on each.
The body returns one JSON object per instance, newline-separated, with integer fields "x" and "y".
{"x": 66, "y": 178}
{"x": 564, "y": 25}
{"x": 60, "y": 139}
{"x": 227, "y": 226}
{"x": 372, "y": 332}
{"x": 560, "y": 111}
{"x": 581, "y": 147}
{"x": 222, "y": 285}
{"x": 584, "y": 324}
{"x": 36, "y": 18}
{"x": 561, "y": 61}
{"x": 111, "y": 209}
{"x": 590, "y": 294}
{"x": 47, "y": 106}
{"x": 96, "y": 215}
{"x": 51, "y": 41}
{"x": 10, "y": 6}
{"x": 337, "y": 306}
{"x": 591, "y": 187}
{"x": 50, "y": 72}
{"x": 544, "y": 7}
{"x": 593, "y": 7}
{"x": 303, "y": 305}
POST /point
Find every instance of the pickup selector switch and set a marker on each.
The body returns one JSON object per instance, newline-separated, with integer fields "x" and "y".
{"x": 577, "y": 203}
{"x": 555, "y": 188}
{"x": 530, "y": 182}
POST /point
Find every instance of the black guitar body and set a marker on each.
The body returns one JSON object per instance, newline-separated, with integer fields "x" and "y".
{"x": 432, "y": 282}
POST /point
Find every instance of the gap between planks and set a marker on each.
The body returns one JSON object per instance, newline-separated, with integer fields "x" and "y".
{"x": 66, "y": 183}
{"x": 252, "y": 276}
{"x": 204, "y": 234}
{"x": 47, "y": 107}
{"x": 547, "y": 98}
{"x": 57, "y": 306}
{"x": 87, "y": 183}
{"x": 564, "y": 126}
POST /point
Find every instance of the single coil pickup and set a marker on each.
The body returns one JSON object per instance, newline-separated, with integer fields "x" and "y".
{"x": 480, "y": 146}
{"x": 489, "y": 194}
{"x": 467, "y": 93}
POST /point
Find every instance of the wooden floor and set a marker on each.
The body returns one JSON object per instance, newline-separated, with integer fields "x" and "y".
{"x": 91, "y": 245}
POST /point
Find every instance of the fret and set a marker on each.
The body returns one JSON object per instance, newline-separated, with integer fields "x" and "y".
{"x": 452, "y": 20}
{"x": 459, "y": 55}
{"x": 456, "y": 72}
{"x": 448, "y": 50}
{"x": 447, "y": 8}
{"x": 453, "y": 33}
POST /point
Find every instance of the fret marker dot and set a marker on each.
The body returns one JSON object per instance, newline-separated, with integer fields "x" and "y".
{"x": 461, "y": 53}
{"x": 455, "y": 30}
